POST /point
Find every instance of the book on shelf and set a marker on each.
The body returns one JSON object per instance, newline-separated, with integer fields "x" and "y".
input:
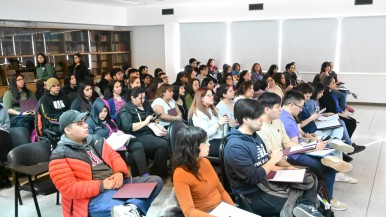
{"x": 116, "y": 37}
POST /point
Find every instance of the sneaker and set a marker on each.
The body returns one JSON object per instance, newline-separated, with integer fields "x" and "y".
{"x": 341, "y": 146}
{"x": 336, "y": 163}
{"x": 347, "y": 158}
{"x": 357, "y": 148}
{"x": 302, "y": 210}
{"x": 354, "y": 95}
{"x": 336, "y": 205}
{"x": 344, "y": 177}
{"x": 128, "y": 209}
{"x": 348, "y": 108}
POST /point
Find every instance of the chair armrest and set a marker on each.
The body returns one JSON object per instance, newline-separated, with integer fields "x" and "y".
{"x": 30, "y": 170}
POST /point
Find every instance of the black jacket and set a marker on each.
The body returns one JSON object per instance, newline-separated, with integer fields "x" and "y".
{"x": 129, "y": 115}
{"x": 51, "y": 106}
{"x": 326, "y": 101}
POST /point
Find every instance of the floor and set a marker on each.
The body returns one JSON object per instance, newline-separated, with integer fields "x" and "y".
{"x": 366, "y": 198}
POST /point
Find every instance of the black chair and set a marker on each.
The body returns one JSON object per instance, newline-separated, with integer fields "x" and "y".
{"x": 32, "y": 159}
{"x": 173, "y": 129}
{"x": 19, "y": 136}
{"x": 240, "y": 199}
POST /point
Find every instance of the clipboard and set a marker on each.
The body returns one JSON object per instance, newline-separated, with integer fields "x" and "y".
{"x": 135, "y": 190}
{"x": 299, "y": 149}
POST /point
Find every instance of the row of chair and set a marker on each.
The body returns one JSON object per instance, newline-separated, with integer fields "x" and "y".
{"x": 31, "y": 160}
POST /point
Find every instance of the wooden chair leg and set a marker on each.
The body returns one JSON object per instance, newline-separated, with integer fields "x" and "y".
{"x": 34, "y": 196}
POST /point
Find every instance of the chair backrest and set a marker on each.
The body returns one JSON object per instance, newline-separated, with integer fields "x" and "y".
{"x": 30, "y": 154}
{"x": 5, "y": 145}
{"x": 19, "y": 136}
{"x": 173, "y": 129}
{"x": 224, "y": 178}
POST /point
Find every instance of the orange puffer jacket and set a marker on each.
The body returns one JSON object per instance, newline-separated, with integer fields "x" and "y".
{"x": 70, "y": 170}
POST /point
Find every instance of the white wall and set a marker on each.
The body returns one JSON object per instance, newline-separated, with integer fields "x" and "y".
{"x": 148, "y": 47}
{"x": 62, "y": 12}
{"x": 304, "y": 27}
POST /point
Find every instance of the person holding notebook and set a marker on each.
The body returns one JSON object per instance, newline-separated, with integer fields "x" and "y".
{"x": 88, "y": 172}
{"x": 197, "y": 186}
{"x": 247, "y": 163}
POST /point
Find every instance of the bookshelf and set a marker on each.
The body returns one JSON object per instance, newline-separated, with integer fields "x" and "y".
{"x": 101, "y": 50}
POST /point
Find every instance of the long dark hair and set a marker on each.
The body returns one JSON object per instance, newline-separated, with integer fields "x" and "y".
{"x": 187, "y": 150}
{"x": 85, "y": 104}
{"x": 318, "y": 87}
{"x": 44, "y": 62}
{"x": 67, "y": 80}
{"x": 14, "y": 91}
{"x": 109, "y": 92}
{"x": 189, "y": 87}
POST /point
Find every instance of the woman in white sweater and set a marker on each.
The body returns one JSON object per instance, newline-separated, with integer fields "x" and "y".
{"x": 205, "y": 115}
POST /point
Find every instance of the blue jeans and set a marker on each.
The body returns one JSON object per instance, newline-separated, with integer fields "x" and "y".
{"x": 346, "y": 136}
{"x": 326, "y": 173}
{"x": 100, "y": 206}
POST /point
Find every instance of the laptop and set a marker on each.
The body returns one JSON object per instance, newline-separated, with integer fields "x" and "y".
{"x": 28, "y": 105}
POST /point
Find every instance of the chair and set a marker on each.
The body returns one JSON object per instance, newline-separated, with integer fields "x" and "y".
{"x": 240, "y": 199}
{"x": 44, "y": 129}
{"x": 32, "y": 159}
{"x": 173, "y": 129}
{"x": 19, "y": 136}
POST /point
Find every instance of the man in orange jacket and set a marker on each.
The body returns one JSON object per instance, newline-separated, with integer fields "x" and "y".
{"x": 87, "y": 172}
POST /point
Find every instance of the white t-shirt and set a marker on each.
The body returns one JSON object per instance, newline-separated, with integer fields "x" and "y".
{"x": 172, "y": 105}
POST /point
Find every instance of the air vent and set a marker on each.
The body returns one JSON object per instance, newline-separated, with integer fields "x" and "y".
{"x": 256, "y": 7}
{"x": 169, "y": 11}
{"x": 363, "y": 2}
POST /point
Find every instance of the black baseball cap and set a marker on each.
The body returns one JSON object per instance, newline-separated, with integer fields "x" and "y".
{"x": 69, "y": 117}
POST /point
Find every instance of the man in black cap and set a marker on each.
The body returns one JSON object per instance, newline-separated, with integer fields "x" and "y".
{"x": 87, "y": 172}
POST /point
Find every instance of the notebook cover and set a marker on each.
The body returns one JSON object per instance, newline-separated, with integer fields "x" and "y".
{"x": 287, "y": 151}
{"x": 28, "y": 105}
{"x": 135, "y": 190}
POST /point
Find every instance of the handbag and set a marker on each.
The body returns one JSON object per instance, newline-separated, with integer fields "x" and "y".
{"x": 157, "y": 129}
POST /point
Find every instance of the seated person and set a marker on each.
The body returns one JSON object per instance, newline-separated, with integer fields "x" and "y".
{"x": 330, "y": 102}
{"x": 134, "y": 118}
{"x": 205, "y": 115}
{"x": 115, "y": 98}
{"x": 87, "y": 177}
{"x": 165, "y": 106}
{"x": 178, "y": 96}
{"x": 83, "y": 102}
{"x": 190, "y": 168}
{"x": 284, "y": 133}
{"x": 247, "y": 163}
{"x": 226, "y": 94}
{"x": 17, "y": 92}
{"x": 52, "y": 105}
{"x": 245, "y": 91}
{"x": 99, "y": 122}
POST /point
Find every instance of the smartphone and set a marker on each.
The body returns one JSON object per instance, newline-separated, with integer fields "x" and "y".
{"x": 321, "y": 111}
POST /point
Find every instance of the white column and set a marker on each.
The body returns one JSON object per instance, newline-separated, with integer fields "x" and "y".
{"x": 172, "y": 50}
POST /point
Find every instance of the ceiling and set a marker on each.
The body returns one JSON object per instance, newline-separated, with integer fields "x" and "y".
{"x": 131, "y": 3}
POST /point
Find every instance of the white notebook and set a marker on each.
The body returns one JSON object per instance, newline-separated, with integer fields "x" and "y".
{"x": 116, "y": 141}
{"x": 287, "y": 176}
{"x": 227, "y": 210}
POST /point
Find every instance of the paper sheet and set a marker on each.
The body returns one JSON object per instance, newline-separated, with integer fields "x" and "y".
{"x": 328, "y": 118}
{"x": 227, "y": 210}
{"x": 116, "y": 141}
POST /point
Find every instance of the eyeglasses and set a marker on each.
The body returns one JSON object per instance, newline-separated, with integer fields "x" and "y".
{"x": 209, "y": 95}
{"x": 301, "y": 107}
{"x": 21, "y": 79}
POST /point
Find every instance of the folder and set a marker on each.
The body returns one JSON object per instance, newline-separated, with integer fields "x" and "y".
{"x": 326, "y": 125}
{"x": 296, "y": 176}
{"x": 135, "y": 190}
{"x": 321, "y": 153}
{"x": 299, "y": 149}
{"x": 28, "y": 105}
